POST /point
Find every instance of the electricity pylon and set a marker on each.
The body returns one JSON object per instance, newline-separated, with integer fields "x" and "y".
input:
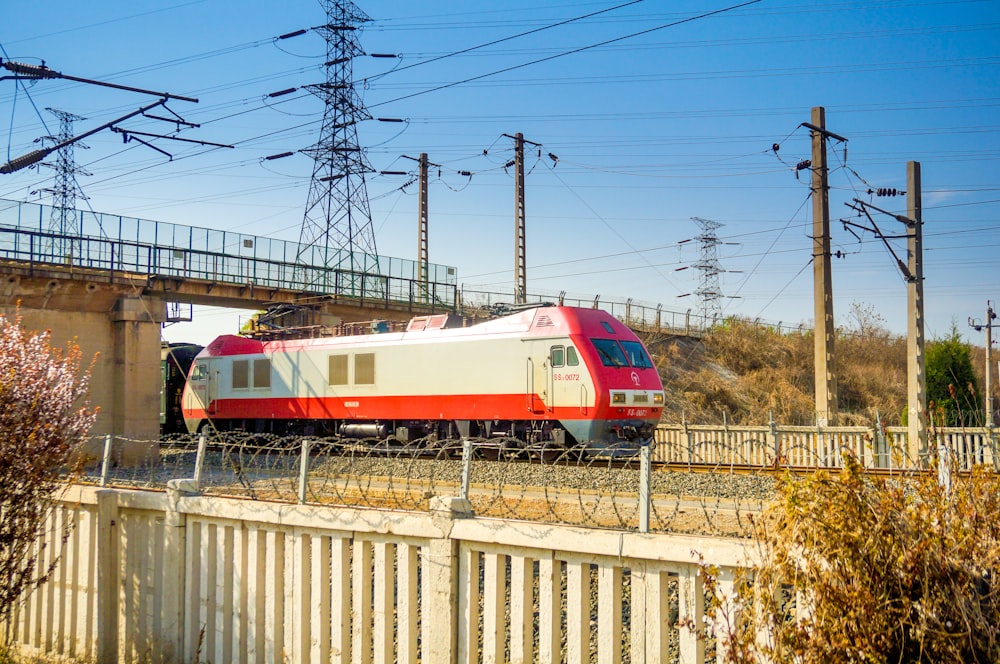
{"x": 64, "y": 222}
{"x": 337, "y": 232}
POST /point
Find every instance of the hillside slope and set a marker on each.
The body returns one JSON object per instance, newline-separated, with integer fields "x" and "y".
{"x": 746, "y": 373}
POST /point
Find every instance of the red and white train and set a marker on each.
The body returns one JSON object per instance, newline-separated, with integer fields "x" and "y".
{"x": 551, "y": 375}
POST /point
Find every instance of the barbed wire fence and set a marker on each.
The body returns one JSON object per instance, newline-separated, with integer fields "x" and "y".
{"x": 699, "y": 484}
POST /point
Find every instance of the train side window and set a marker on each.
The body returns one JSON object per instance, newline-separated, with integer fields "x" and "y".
{"x": 364, "y": 369}
{"x": 338, "y": 370}
{"x": 262, "y": 373}
{"x": 241, "y": 374}
{"x": 557, "y": 356}
{"x": 572, "y": 360}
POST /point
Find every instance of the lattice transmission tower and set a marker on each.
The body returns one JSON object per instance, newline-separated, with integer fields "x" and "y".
{"x": 64, "y": 218}
{"x": 337, "y": 230}
{"x": 709, "y": 292}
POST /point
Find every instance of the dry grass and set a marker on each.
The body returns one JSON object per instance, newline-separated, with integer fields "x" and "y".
{"x": 854, "y": 569}
{"x": 749, "y": 374}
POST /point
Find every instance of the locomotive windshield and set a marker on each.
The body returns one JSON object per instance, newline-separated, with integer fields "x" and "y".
{"x": 610, "y": 352}
{"x": 613, "y": 355}
{"x": 636, "y": 354}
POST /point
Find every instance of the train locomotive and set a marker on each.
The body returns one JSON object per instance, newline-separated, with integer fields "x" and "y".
{"x": 547, "y": 377}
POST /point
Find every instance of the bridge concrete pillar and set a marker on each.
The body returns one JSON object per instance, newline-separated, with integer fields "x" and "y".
{"x": 135, "y": 377}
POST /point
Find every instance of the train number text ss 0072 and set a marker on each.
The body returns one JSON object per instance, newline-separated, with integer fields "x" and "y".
{"x": 550, "y": 376}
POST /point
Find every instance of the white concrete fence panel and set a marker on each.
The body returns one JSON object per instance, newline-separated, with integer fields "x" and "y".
{"x": 173, "y": 577}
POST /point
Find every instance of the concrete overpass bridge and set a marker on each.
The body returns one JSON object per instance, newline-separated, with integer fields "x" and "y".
{"x": 112, "y": 282}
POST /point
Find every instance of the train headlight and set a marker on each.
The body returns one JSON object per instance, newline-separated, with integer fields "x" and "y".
{"x": 617, "y": 397}
{"x": 658, "y": 398}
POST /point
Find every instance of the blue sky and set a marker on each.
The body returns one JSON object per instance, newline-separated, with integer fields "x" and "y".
{"x": 650, "y": 130}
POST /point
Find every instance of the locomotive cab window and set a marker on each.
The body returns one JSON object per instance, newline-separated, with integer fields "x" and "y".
{"x": 557, "y": 356}
{"x": 200, "y": 372}
{"x": 636, "y": 354}
{"x": 572, "y": 360}
{"x": 610, "y": 352}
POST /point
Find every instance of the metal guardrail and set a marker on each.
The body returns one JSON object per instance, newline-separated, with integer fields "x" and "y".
{"x": 637, "y": 315}
{"x": 31, "y": 233}
{"x": 124, "y": 245}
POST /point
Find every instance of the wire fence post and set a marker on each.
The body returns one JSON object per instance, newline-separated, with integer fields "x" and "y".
{"x": 645, "y": 478}
{"x": 304, "y": 470}
{"x": 199, "y": 462}
{"x": 106, "y": 463}
{"x": 463, "y": 492}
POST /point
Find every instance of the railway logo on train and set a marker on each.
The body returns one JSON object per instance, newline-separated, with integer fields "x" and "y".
{"x": 543, "y": 378}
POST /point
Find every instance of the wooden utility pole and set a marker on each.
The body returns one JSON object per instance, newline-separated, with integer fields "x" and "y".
{"x": 916, "y": 378}
{"x": 520, "y": 241}
{"x": 422, "y": 254}
{"x": 825, "y": 366}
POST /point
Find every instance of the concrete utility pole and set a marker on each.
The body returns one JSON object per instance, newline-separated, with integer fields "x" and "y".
{"x": 987, "y": 326}
{"x": 825, "y": 366}
{"x": 520, "y": 241}
{"x": 916, "y": 377}
{"x": 422, "y": 254}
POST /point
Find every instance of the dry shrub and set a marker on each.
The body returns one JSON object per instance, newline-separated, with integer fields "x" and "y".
{"x": 855, "y": 569}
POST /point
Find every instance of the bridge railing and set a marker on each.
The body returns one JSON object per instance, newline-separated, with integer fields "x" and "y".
{"x": 118, "y": 244}
{"x": 637, "y": 315}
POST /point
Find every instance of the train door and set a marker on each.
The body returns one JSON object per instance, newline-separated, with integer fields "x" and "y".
{"x": 567, "y": 384}
{"x": 538, "y": 377}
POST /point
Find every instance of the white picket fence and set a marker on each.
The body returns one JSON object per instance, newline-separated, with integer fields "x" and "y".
{"x": 176, "y": 577}
{"x": 822, "y": 447}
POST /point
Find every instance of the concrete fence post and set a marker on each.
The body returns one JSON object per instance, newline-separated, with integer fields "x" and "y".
{"x": 440, "y": 582}
{"x": 304, "y": 471}
{"x": 463, "y": 491}
{"x": 199, "y": 461}
{"x": 106, "y": 462}
{"x": 108, "y": 573}
{"x": 174, "y": 549}
{"x": 645, "y": 477}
